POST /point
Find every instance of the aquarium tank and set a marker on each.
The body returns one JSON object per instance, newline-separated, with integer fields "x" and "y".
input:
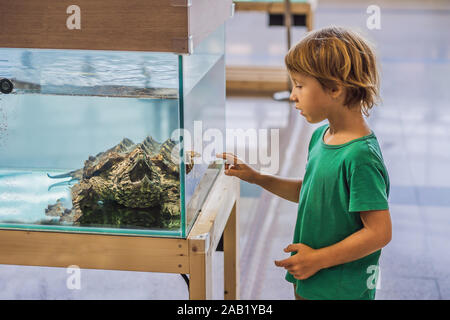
{"x": 95, "y": 140}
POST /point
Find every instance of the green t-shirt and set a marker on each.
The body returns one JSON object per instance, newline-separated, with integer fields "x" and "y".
{"x": 340, "y": 181}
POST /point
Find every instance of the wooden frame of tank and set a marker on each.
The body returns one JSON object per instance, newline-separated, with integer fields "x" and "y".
{"x": 133, "y": 25}
{"x": 219, "y": 215}
{"x": 258, "y": 79}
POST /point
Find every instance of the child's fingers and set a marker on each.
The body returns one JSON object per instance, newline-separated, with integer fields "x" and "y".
{"x": 292, "y": 248}
{"x": 229, "y": 166}
{"x": 283, "y": 263}
{"x": 278, "y": 263}
{"x": 229, "y": 157}
{"x": 233, "y": 172}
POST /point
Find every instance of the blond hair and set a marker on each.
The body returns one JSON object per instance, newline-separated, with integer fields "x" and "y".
{"x": 337, "y": 56}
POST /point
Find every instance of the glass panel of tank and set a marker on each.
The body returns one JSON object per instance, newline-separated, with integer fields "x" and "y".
{"x": 89, "y": 139}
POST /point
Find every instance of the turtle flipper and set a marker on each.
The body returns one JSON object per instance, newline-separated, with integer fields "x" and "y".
{"x": 59, "y": 176}
{"x": 63, "y": 183}
{"x": 75, "y": 174}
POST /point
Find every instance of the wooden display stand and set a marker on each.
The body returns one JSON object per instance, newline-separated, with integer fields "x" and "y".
{"x": 265, "y": 80}
{"x": 219, "y": 215}
{"x": 175, "y": 26}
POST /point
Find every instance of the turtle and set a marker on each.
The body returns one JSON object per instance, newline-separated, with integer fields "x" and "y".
{"x": 128, "y": 176}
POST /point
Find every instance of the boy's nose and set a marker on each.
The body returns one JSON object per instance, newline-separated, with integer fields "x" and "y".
{"x": 292, "y": 96}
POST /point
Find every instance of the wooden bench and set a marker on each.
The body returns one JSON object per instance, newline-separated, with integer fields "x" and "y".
{"x": 261, "y": 79}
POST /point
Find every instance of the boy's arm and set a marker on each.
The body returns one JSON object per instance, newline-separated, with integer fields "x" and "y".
{"x": 285, "y": 188}
{"x": 375, "y": 234}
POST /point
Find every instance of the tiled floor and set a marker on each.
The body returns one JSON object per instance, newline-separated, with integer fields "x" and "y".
{"x": 412, "y": 125}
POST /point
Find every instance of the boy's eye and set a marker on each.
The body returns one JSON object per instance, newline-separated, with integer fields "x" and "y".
{"x": 298, "y": 86}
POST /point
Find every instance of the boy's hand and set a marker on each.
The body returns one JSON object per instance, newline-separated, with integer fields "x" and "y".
{"x": 238, "y": 168}
{"x": 303, "y": 264}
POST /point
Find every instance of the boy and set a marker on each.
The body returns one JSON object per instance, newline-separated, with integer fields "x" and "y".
{"x": 343, "y": 215}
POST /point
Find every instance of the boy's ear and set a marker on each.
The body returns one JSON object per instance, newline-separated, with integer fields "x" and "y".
{"x": 336, "y": 91}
